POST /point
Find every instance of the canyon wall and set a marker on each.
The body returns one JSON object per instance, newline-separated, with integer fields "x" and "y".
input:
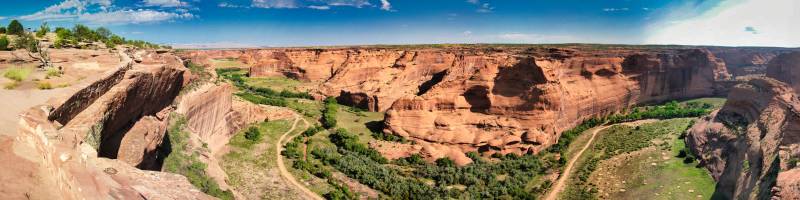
{"x": 749, "y": 143}
{"x": 747, "y": 61}
{"x": 752, "y": 144}
{"x": 508, "y": 100}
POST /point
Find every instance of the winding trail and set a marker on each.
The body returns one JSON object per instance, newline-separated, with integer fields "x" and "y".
{"x": 308, "y": 194}
{"x": 559, "y": 186}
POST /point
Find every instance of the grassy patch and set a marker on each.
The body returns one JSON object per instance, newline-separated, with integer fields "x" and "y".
{"x": 637, "y": 162}
{"x": 275, "y": 83}
{"x": 17, "y": 73}
{"x": 227, "y": 63}
{"x": 44, "y": 85}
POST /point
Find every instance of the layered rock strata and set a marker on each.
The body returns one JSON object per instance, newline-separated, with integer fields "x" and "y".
{"x": 749, "y": 143}
{"x": 124, "y": 118}
{"x": 508, "y": 100}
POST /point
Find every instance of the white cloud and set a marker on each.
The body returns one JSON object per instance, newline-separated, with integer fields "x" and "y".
{"x": 617, "y": 9}
{"x": 275, "y": 3}
{"x": 314, "y": 4}
{"x": 485, "y": 8}
{"x": 775, "y": 22}
{"x": 467, "y": 33}
{"x": 165, "y": 3}
{"x": 385, "y": 5}
{"x": 102, "y": 12}
{"x": 2, "y": 18}
{"x": 229, "y": 5}
{"x": 320, "y": 7}
{"x": 132, "y": 17}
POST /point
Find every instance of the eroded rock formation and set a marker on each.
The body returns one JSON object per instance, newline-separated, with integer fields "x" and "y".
{"x": 490, "y": 99}
{"x": 749, "y": 143}
{"x": 123, "y": 118}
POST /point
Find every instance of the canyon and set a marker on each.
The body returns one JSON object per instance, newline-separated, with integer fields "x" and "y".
{"x": 107, "y": 138}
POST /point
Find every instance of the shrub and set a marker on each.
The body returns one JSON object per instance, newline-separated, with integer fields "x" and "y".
{"x": 253, "y": 134}
{"x": 688, "y": 159}
{"x": 43, "y": 30}
{"x": 445, "y": 162}
{"x": 15, "y": 28}
{"x": 44, "y": 85}
{"x": 53, "y": 72}
{"x": 17, "y": 74}
{"x": 2, "y": 30}
{"x": 26, "y": 41}
{"x": 3, "y": 43}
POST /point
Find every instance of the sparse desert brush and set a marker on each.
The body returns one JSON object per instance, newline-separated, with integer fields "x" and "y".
{"x": 44, "y": 85}
{"x": 53, "y": 72}
{"x": 17, "y": 73}
{"x": 11, "y": 85}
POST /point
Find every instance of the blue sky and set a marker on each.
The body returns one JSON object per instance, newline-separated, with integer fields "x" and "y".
{"x": 249, "y": 23}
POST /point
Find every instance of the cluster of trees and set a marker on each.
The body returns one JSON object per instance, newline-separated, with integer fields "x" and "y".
{"x": 259, "y": 95}
{"x": 67, "y": 37}
{"x": 329, "y": 113}
{"x": 348, "y": 141}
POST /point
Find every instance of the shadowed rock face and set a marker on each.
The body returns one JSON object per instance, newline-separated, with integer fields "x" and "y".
{"x": 749, "y": 143}
{"x": 508, "y": 100}
{"x": 786, "y": 68}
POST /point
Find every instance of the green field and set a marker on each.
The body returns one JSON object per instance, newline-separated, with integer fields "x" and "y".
{"x": 275, "y": 83}
{"x": 228, "y": 63}
{"x": 639, "y": 162}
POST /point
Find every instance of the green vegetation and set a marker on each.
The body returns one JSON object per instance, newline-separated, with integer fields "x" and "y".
{"x": 253, "y": 134}
{"x": 81, "y": 33}
{"x": 227, "y": 63}
{"x": 635, "y": 154}
{"x": 183, "y": 159}
{"x": 17, "y": 74}
{"x": 3, "y": 43}
{"x": 43, "y": 30}
{"x": 2, "y": 30}
{"x": 15, "y": 28}
{"x": 44, "y": 85}
{"x": 52, "y": 72}
{"x": 329, "y": 114}
{"x": 27, "y": 41}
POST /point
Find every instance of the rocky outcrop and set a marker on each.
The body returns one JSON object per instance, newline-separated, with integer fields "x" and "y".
{"x": 786, "y": 68}
{"x": 123, "y": 118}
{"x": 749, "y": 144}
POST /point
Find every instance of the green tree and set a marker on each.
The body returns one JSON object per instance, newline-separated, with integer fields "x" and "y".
{"x": 103, "y": 33}
{"x": 26, "y": 41}
{"x": 2, "y": 30}
{"x": 43, "y": 29}
{"x": 253, "y": 134}
{"x": 15, "y": 28}
{"x": 83, "y": 33}
{"x": 3, "y": 43}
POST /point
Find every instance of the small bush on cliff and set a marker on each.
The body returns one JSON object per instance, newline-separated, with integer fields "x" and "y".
{"x": 253, "y": 134}
{"x": 3, "y": 43}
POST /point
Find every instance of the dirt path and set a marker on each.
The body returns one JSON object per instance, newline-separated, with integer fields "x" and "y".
{"x": 282, "y": 168}
{"x": 559, "y": 186}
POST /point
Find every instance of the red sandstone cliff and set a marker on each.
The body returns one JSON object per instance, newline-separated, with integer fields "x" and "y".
{"x": 490, "y": 99}
{"x": 749, "y": 143}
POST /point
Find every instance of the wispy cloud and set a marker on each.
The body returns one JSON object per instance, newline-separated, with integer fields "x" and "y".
{"x": 482, "y": 7}
{"x": 165, "y": 3}
{"x": 103, "y": 12}
{"x": 616, "y": 9}
{"x": 229, "y": 5}
{"x": 316, "y": 4}
{"x": 320, "y": 7}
